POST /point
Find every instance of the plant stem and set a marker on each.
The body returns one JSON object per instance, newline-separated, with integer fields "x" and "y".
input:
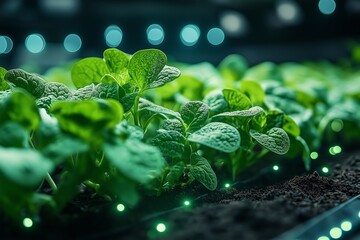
{"x": 92, "y": 185}
{"x": 51, "y": 182}
{"x": 136, "y": 109}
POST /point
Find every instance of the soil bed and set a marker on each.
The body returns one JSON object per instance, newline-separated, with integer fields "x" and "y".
{"x": 261, "y": 212}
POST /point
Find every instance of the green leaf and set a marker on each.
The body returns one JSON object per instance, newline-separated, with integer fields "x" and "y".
{"x": 275, "y": 140}
{"x": 116, "y": 60}
{"x": 166, "y": 75}
{"x": 216, "y": 102}
{"x": 24, "y": 167}
{"x": 63, "y": 148}
{"x": 89, "y": 118}
{"x": 135, "y": 160}
{"x": 219, "y": 136}
{"x": 32, "y": 83}
{"x": 20, "y": 107}
{"x": 127, "y": 101}
{"x": 242, "y": 113}
{"x": 87, "y": 92}
{"x": 290, "y": 126}
{"x": 87, "y": 71}
{"x": 233, "y": 67}
{"x": 57, "y": 90}
{"x": 126, "y": 130}
{"x": 147, "y": 105}
{"x": 201, "y": 170}
{"x": 195, "y": 114}
{"x": 236, "y": 100}
{"x": 172, "y": 125}
{"x": 145, "y": 67}
{"x": 253, "y": 90}
{"x": 171, "y": 143}
{"x": 13, "y": 134}
{"x": 176, "y": 171}
{"x": 3, "y": 84}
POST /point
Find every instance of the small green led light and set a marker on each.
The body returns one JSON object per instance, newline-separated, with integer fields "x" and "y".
{"x": 331, "y": 151}
{"x": 323, "y": 238}
{"x": 276, "y": 167}
{"x": 346, "y": 226}
{"x": 27, "y": 222}
{"x": 337, "y": 125}
{"x": 186, "y": 203}
{"x": 120, "y": 207}
{"x": 335, "y": 233}
{"x": 314, "y": 155}
{"x": 161, "y": 227}
{"x": 227, "y": 185}
{"x": 337, "y": 149}
{"x": 325, "y": 170}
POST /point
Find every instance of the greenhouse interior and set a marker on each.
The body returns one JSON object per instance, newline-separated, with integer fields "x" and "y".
{"x": 193, "y": 119}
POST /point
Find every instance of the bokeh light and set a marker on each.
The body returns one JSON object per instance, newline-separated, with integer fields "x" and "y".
{"x": 288, "y": 11}
{"x": 323, "y": 238}
{"x": 337, "y": 125}
{"x": 327, "y": 7}
{"x": 186, "y": 203}
{"x": 120, "y": 207}
{"x": 35, "y": 43}
{"x": 190, "y": 35}
{"x": 275, "y": 167}
{"x": 346, "y": 226}
{"x": 227, "y": 185}
{"x": 72, "y": 43}
{"x": 335, "y": 233}
{"x": 161, "y": 227}
{"x": 215, "y": 36}
{"x": 113, "y": 36}
{"x": 155, "y": 34}
{"x": 325, "y": 169}
{"x": 314, "y": 155}
{"x": 234, "y": 23}
{"x": 6, "y": 44}
{"x": 27, "y": 222}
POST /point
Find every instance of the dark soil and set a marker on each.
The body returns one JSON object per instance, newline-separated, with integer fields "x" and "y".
{"x": 242, "y": 212}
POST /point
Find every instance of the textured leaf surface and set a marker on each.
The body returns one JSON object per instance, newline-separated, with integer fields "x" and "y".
{"x": 253, "y": 90}
{"x": 166, "y": 75}
{"x": 3, "y": 84}
{"x": 236, "y": 100}
{"x": 201, "y": 170}
{"x": 32, "y": 83}
{"x": 147, "y": 105}
{"x": 176, "y": 171}
{"x": 127, "y": 130}
{"x": 216, "y": 102}
{"x": 135, "y": 160}
{"x": 195, "y": 114}
{"x": 87, "y": 71}
{"x": 116, "y": 60}
{"x": 220, "y": 136}
{"x": 276, "y": 140}
{"x": 243, "y": 113}
{"x": 171, "y": 143}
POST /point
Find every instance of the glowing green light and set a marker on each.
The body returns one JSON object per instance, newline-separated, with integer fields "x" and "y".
{"x": 120, "y": 207}
{"x": 161, "y": 227}
{"x": 323, "y": 238}
{"x": 346, "y": 226}
{"x": 314, "y": 155}
{"x": 276, "y": 167}
{"x": 227, "y": 185}
{"x": 325, "y": 170}
{"x": 337, "y": 149}
{"x": 331, "y": 151}
{"x": 335, "y": 233}
{"x": 187, "y": 203}
{"x": 337, "y": 125}
{"x": 27, "y": 222}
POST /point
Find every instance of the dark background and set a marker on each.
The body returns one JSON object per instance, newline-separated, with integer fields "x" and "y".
{"x": 312, "y": 35}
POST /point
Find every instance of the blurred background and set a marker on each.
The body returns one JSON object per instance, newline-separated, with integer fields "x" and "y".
{"x": 52, "y": 32}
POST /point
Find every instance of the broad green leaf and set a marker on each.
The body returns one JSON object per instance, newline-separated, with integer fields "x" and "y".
{"x": 32, "y": 83}
{"x": 145, "y": 66}
{"x": 20, "y": 107}
{"x": 219, "y": 136}
{"x": 108, "y": 88}
{"x": 87, "y": 92}
{"x": 166, "y": 75}
{"x": 195, "y": 114}
{"x": 201, "y": 170}
{"x": 126, "y": 130}
{"x": 127, "y": 101}
{"x": 290, "y": 126}
{"x": 242, "y": 113}
{"x": 171, "y": 143}
{"x": 175, "y": 173}
{"x": 263, "y": 71}
{"x": 253, "y": 90}
{"x": 233, "y": 67}
{"x": 135, "y": 160}
{"x": 57, "y": 90}
{"x": 87, "y": 71}
{"x": 3, "y": 84}
{"x": 216, "y": 102}
{"x": 26, "y": 168}
{"x": 275, "y": 140}
{"x": 116, "y": 60}
{"x": 63, "y": 148}
{"x": 278, "y": 119}
{"x": 13, "y": 134}
{"x": 236, "y": 100}
{"x": 147, "y": 105}
{"x": 172, "y": 125}
{"x": 87, "y": 119}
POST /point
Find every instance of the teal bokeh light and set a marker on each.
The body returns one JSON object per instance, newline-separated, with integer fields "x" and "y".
{"x": 72, "y": 43}
{"x": 113, "y": 36}
{"x": 190, "y": 35}
{"x": 155, "y": 34}
{"x": 216, "y": 36}
{"x": 35, "y": 43}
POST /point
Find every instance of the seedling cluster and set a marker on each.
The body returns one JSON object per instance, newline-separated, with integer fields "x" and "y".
{"x": 130, "y": 124}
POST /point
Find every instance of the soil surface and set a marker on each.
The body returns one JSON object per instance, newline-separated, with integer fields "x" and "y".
{"x": 256, "y": 210}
